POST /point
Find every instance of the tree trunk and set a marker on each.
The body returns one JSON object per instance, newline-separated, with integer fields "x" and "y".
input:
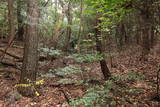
{"x": 147, "y": 22}
{"x": 104, "y": 68}
{"x": 30, "y": 61}
{"x": 58, "y": 23}
{"x": 145, "y": 29}
{"x": 20, "y": 33}
{"x": 152, "y": 37}
{"x": 120, "y": 33}
{"x": 69, "y": 30}
{"x": 11, "y": 21}
{"x": 80, "y": 27}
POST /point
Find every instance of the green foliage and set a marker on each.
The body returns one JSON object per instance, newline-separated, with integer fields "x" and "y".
{"x": 68, "y": 70}
{"x": 89, "y": 58}
{"x": 97, "y": 96}
{"x": 70, "y": 81}
{"x": 111, "y": 11}
{"x": 50, "y": 52}
{"x": 134, "y": 75}
{"x": 48, "y": 75}
{"x": 128, "y": 76}
{"x": 104, "y": 95}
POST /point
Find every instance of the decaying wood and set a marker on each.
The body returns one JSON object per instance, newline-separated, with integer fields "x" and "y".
{"x": 7, "y": 63}
{"x": 12, "y": 55}
{"x": 10, "y": 64}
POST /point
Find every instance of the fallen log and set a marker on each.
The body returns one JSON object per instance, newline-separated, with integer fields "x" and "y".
{"x": 20, "y": 59}
{"x": 12, "y": 55}
{"x": 7, "y": 63}
{"x": 10, "y": 64}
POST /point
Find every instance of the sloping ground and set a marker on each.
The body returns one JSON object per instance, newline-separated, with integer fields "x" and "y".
{"x": 57, "y": 95}
{"x": 131, "y": 61}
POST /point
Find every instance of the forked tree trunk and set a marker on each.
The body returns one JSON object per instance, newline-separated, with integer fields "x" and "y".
{"x": 30, "y": 61}
{"x": 104, "y": 67}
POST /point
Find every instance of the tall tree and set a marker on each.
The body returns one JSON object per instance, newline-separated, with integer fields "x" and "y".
{"x": 69, "y": 29}
{"x": 11, "y": 20}
{"x": 99, "y": 46}
{"x": 30, "y": 61}
{"x": 80, "y": 25}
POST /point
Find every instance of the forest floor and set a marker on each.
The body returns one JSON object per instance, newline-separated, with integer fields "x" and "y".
{"x": 54, "y": 94}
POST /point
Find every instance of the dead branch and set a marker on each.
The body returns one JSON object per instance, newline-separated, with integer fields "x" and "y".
{"x": 65, "y": 96}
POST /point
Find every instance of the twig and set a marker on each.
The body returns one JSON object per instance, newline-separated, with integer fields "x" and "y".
{"x": 66, "y": 96}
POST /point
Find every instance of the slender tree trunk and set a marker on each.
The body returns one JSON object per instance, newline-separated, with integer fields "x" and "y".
{"x": 80, "y": 26}
{"x": 120, "y": 33}
{"x": 145, "y": 29}
{"x": 152, "y": 36}
{"x": 11, "y": 20}
{"x": 20, "y": 33}
{"x": 30, "y": 61}
{"x": 69, "y": 30}
{"x": 104, "y": 68}
{"x": 137, "y": 34}
{"x": 125, "y": 34}
{"x": 58, "y": 23}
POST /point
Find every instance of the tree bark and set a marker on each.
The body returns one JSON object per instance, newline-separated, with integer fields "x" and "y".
{"x": 145, "y": 29}
{"x": 121, "y": 34}
{"x": 30, "y": 61}
{"x": 69, "y": 30}
{"x": 11, "y": 20}
{"x": 104, "y": 68}
{"x": 80, "y": 27}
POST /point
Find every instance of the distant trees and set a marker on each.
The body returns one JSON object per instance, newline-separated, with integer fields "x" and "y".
{"x": 30, "y": 61}
{"x": 147, "y": 26}
{"x": 20, "y": 19}
{"x": 11, "y": 22}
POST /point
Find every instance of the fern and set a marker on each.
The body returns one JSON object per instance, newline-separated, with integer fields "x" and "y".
{"x": 88, "y": 58}
{"x": 68, "y": 70}
{"x": 50, "y": 52}
{"x": 96, "y": 96}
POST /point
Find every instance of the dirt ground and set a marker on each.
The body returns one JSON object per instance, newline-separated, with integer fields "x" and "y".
{"x": 53, "y": 94}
